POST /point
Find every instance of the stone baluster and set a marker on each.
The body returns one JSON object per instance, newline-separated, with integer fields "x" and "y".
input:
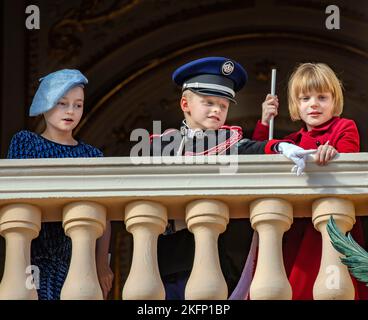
{"x": 19, "y": 224}
{"x": 206, "y": 219}
{"x": 270, "y": 217}
{"x": 333, "y": 280}
{"x": 145, "y": 220}
{"x": 83, "y": 222}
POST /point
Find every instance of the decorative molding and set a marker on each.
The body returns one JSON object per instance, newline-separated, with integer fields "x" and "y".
{"x": 64, "y": 42}
{"x": 159, "y": 61}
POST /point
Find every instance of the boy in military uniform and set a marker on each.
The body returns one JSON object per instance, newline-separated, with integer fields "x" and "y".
{"x": 208, "y": 87}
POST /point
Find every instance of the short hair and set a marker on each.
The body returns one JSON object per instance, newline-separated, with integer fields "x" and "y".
{"x": 188, "y": 94}
{"x": 314, "y": 76}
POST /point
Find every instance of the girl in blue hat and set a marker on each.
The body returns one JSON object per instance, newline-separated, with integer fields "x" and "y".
{"x": 60, "y": 99}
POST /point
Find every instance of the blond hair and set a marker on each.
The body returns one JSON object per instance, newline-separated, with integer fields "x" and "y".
{"x": 189, "y": 94}
{"x": 318, "y": 77}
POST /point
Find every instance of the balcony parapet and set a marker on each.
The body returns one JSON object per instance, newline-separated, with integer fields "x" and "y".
{"x": 52, "y": 183}
{"x": 204, "y": 191}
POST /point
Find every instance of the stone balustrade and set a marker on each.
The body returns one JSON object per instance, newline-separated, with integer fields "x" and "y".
{"x": 146, "y": 192}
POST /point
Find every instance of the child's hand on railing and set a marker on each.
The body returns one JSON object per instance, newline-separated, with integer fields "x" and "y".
{"x": 324, "y": 154}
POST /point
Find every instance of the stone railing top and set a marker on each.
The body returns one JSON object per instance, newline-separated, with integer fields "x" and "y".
{"x": 174, "y": 181}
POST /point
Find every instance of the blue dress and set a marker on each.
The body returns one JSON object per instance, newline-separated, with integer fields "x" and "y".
{"x": 51, "y": 250}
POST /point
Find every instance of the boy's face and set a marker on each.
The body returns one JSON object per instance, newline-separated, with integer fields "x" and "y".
{"x": 68, "y": 111}
{"x": 204, "y": 112}
{"x": 315, "y": 108}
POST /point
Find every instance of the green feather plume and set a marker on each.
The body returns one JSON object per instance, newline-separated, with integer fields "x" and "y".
{"x": 356, "y": 258}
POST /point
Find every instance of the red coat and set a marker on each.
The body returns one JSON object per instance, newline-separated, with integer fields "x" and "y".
{"x": 341, "y": 133}
{"x": 302, "y": 244}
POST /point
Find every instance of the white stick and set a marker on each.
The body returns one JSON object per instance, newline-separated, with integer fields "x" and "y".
{"x": 273, "y": 92}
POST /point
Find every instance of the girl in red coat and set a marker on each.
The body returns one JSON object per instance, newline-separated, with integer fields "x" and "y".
{"x": 315, "y": 97}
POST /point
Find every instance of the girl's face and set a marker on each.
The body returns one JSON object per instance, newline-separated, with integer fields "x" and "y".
{"x": 65, "y": 116}
{"x": 315, "y": 108}
{"x": 205, "y": 112}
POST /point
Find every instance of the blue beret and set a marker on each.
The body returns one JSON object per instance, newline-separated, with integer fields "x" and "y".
{"x": 216, "y": 76}
{"x": 53, "y": 87}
